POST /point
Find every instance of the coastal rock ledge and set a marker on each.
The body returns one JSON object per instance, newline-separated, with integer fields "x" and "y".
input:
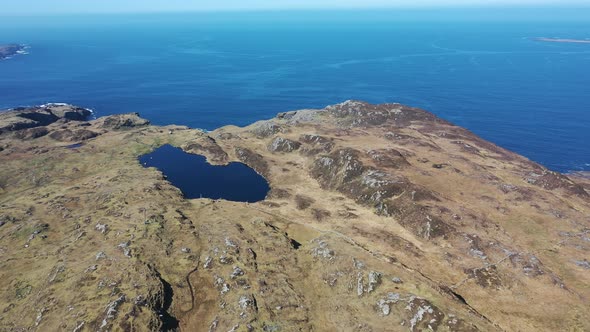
{"x": 10, "y": 50}
{"x": 379, "y": 218}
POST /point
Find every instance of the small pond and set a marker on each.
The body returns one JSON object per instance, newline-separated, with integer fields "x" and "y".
{"x": 74, "y": 146}
{"x": 196, "y": 178}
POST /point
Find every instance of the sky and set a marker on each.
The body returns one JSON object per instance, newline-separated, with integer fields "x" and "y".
{"x": 24, "y": 7}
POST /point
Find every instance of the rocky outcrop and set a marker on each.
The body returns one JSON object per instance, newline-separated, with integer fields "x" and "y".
{"x": 207, "y": 146}
{"x": 253, "y": 159}
{"x": 550, "y": 180}
{"x": 344, "y": 171}
{"x": 39, "y": 116}
{"x": 388, "y": 158}
{"x": 31, "y": 133}
{"x": 123, "y": 121}
{"x": 315, "y": 144}
{"x": 316, "y": 140}
{"x": 9, "y": 50}
{"x": 280, "y": 144}
{"x": 76, "y": 135}
{"x": 338, "y": 168}
{"x": 266, "y": 128}
{"x": 354, "y": 113}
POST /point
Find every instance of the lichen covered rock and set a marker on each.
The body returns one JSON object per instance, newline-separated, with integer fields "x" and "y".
{"x": 280, "y": 144}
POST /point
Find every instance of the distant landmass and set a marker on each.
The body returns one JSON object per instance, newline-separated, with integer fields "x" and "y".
{"x": 7, "y": 51}
{"x": 563, "y": 40}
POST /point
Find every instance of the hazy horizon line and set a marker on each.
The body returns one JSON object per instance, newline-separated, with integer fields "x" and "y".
{"x": 501, "y": 6}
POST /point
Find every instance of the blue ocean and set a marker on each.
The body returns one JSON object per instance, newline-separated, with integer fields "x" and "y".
{"x": 480, "y": 69}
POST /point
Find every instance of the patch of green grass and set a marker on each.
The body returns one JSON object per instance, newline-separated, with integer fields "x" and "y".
{"x": 22, "y": 290}
{"x": 23, "y": 232}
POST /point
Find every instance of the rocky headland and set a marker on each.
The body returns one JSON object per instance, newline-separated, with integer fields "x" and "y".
{"x": 10, "y": 50}
{"x": 380, "y": 218}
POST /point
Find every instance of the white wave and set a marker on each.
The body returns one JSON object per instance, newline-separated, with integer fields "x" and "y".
{"x": 54, "y": 104}
{"x": 92, "y": 113}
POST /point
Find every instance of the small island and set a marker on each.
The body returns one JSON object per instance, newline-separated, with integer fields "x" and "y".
{"x": 563, "y": 40}
{"x": 7, "y": 51}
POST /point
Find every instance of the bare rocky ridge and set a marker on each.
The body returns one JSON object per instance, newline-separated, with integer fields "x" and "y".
{"x": 380, "y": 218}
{"x": 39, "y": 116}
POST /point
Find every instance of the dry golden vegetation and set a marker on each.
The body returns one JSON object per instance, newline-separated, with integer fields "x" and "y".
{"x": 379, "y": 218}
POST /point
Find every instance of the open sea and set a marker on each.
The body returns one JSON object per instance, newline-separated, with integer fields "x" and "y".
{"x": 480, "y": 69}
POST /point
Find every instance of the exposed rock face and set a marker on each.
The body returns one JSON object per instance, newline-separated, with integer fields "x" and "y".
{"x": 123, "y": 121}
{"x": 360, "y": 114}
{"x": 315, "y": 144}
{"x": 266, "y": 129}
{"x": 280, "y": 144}
{"x": 208, "y": 147}
{"x": 344, "y": 171}
{"x": 253, "y": 159}
{"x": 314, "y": 139}
{"x": 388, "y": 158}
{"x": 68, "y": 135}
{"x": 31, "y": 133}
{"x": 553, "y": 180}
{"x": 338, "y": 169}
{"x": 424, "y": 315}
{"x": 32, "y": 117}
{"x": 380, "y": 218}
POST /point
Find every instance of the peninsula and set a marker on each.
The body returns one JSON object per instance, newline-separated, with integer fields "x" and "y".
{"x": 379, "y": 218}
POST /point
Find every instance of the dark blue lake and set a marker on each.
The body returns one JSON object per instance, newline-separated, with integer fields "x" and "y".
{"x": 196, "y": 178}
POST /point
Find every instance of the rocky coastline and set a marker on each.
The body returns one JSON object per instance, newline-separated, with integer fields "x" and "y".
{"x": 379, "y": 218}
{"x": 10, "y": 50}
